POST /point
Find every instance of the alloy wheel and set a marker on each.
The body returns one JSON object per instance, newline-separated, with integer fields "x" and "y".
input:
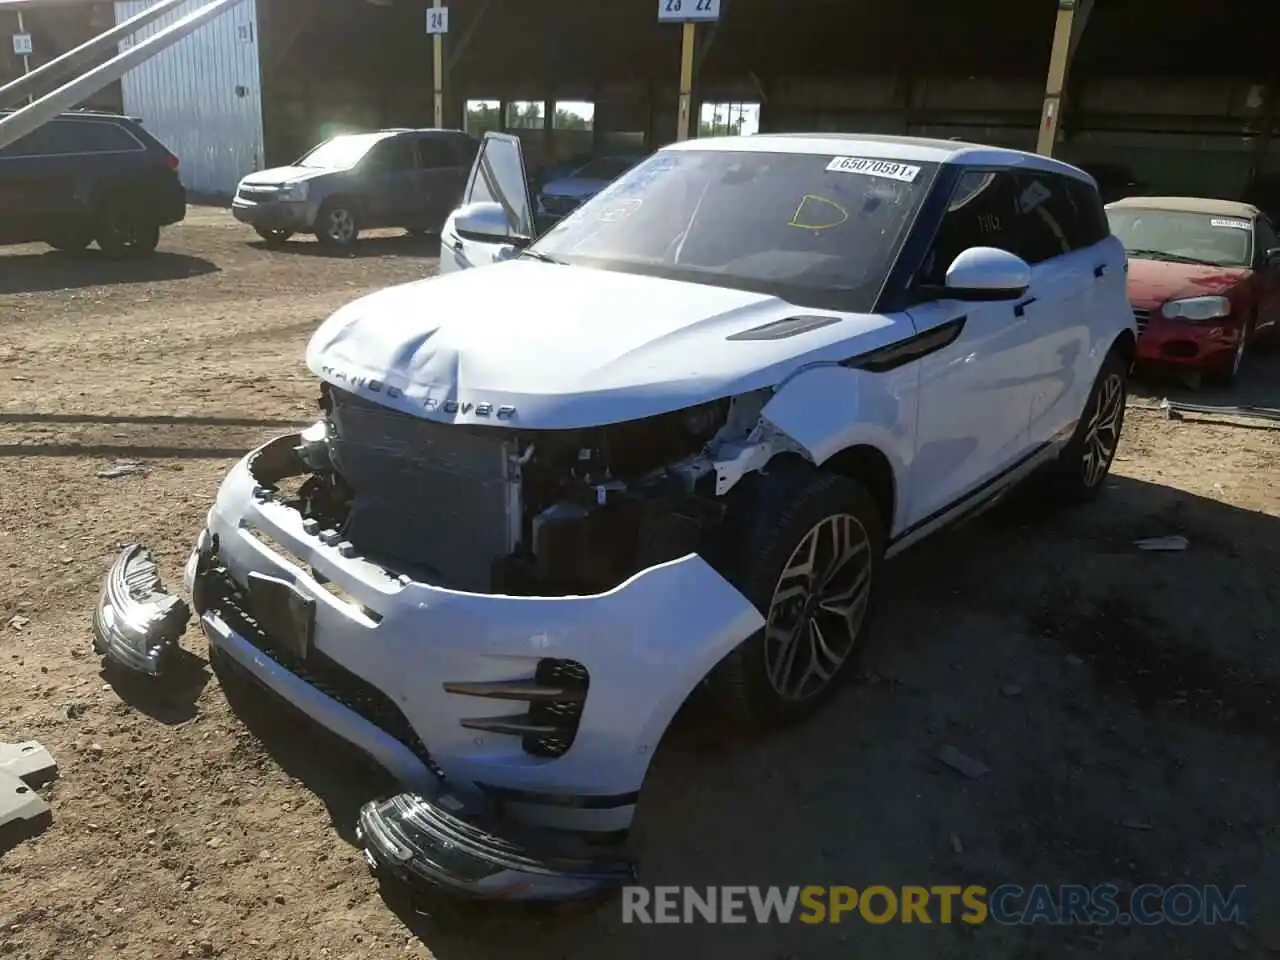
{"x": 1104, "y": 430}
{"x": 818, "y": 607}
{"x": 342, "y": 226}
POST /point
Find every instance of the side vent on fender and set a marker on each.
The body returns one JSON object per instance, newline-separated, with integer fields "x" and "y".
{"x": 907, "y": 351}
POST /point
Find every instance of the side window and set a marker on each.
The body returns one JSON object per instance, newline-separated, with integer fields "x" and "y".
{"x": 1044, "y": 217}
{"x": 434, "y": 154}
{"x": 466, "y": 148}
{"x": 392, "y": 156}
{"x": 56, "y": 138}
{"x": 102, "y": 136}
{"x": 1266, "y": 239}
{"x": 1090, "y": 225}
{"x": 980, "y": 214}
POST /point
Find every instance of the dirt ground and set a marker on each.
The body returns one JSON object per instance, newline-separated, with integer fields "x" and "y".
{"x": 1124, "y": 701}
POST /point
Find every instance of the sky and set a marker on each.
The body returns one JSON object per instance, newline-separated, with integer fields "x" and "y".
{"x": 717, "y": 114}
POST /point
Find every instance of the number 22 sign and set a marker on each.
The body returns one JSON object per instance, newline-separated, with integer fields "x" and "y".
{"x": 680, "y": 11}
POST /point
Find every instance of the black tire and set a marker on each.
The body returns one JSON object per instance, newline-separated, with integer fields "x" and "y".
{"x": 337, "y": 225}
{"x": 1080, "y": 472}
{"x": 70, "y": 239}
{"x": 123, "y": 233}
{"x": 756, "y": 685}
{"x": 273, "y": 237}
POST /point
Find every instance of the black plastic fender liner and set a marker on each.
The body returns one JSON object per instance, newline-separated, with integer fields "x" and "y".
{"x": 420, "y": 843}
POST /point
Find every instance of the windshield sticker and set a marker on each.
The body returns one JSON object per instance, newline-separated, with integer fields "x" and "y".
{"x": 620, "y": 210}
{"x": 889, "y": 169}
{"x": 1233, "y": 224}
{"x": 817, "y": 213}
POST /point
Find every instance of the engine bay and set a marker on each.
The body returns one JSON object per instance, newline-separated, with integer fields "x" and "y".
{"x": 493, "y": 509}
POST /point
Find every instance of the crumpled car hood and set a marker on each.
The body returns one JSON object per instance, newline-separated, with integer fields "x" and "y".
{"x": 569, "y": 346}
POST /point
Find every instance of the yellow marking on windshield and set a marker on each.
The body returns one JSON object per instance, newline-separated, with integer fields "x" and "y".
{"x": 818, "y": 213}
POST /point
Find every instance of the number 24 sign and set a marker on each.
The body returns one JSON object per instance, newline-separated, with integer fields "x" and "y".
{"x": 683, "y": 10}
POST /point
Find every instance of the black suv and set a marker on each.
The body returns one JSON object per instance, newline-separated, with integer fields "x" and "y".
{"x": 89, "y": 176}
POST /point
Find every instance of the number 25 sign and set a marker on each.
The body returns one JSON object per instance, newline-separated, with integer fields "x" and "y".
{"x": 679, "y": 11}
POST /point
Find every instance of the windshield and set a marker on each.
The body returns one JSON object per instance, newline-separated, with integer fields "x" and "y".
{"x": 819, "y": 231}
{"x": 340, "y": 153}
{"x": 1178, "y": 237}
{"x": 606, "y": 168}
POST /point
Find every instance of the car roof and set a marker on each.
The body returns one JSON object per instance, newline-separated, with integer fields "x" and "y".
{"x": 888, "y": 147}
{"x": 1216, "y": 208}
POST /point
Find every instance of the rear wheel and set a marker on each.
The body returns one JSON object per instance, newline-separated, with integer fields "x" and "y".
{"x": 125, "y": 233}
{"x": 1081, "y": 470}
{"x": 806, "y": 553}
{"x": 273, "y": 238}
{"x": 337, "y": 225}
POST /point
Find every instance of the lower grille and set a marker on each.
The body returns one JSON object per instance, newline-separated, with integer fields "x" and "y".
{"x": 223, "y": 595}
{"x": 1142, "y": 317}
{"x": 434, "y": 499}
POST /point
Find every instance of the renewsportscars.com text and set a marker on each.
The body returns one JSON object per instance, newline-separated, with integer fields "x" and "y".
{"x": 1008, "y": 904}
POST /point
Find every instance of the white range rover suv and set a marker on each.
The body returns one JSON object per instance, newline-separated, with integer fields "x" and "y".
{"x": 666, "y": 445}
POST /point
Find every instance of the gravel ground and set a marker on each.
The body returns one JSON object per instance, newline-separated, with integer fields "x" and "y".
{"x": 1124, "y": 701}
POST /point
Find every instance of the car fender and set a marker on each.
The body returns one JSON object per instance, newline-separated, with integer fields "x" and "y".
{"x": 828, "y": 408}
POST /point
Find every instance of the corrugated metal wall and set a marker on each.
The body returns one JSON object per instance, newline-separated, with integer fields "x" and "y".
{"x": 202, "y": 97}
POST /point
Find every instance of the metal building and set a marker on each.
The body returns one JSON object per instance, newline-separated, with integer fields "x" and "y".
{"x": 202, "y": 96}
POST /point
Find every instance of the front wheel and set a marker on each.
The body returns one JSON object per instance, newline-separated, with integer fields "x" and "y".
{"x": 806, "y": 552}
{"x": 336, "y": 225}
{"x": 1229, "y": 372}
{"x": 1082, "y": 468}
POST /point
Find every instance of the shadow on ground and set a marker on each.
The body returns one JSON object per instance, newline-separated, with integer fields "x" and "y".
{"x": 1128, "y": 721}
{"x": 45, "y": 272}
{"x": 427, "y": 246}
{"x": 1257, "y": 385}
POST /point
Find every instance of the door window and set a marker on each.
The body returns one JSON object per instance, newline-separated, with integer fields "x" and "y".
{"x": 392, "y": 156}
{"x": 1034, "y": 216}
{"x": 1266, "y": 240}
{"x": 434, "y": 153}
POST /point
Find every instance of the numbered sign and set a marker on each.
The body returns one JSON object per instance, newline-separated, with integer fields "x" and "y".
{"x": 437, "y": 20}
{"x": 22, "y": 45}
{"x": 682, "y": 11}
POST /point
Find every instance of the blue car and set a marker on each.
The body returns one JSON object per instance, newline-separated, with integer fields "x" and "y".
{"x": 559, "y": 197}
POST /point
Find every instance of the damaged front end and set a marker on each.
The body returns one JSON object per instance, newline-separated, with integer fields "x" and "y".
{"x": 504, "y": 620}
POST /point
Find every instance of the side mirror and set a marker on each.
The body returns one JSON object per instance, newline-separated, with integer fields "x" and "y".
{"x": 485, "y": 222}
{"x": 987, "y": 273}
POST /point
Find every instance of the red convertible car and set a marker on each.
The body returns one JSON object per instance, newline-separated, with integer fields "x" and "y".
{"x": 1204, "y": 280}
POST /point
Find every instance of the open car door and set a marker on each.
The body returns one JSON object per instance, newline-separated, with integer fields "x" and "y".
{"x": 495, "y": 221}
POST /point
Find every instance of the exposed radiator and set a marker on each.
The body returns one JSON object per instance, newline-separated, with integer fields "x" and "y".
{"x": 439, "y": 500}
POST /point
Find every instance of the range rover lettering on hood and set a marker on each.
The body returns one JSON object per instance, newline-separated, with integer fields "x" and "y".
{"x": 572, "y": 347}
{"x": 356, "y": 382}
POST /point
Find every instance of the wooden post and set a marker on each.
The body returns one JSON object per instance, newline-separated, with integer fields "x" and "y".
{"x": 688, "y": 49}
{"x": 437, "y": 44}
{"x": 26, "y": 60}
{"x": 1067, "y": 30}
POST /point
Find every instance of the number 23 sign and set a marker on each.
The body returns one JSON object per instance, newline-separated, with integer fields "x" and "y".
{"x": 670, "y": 11}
